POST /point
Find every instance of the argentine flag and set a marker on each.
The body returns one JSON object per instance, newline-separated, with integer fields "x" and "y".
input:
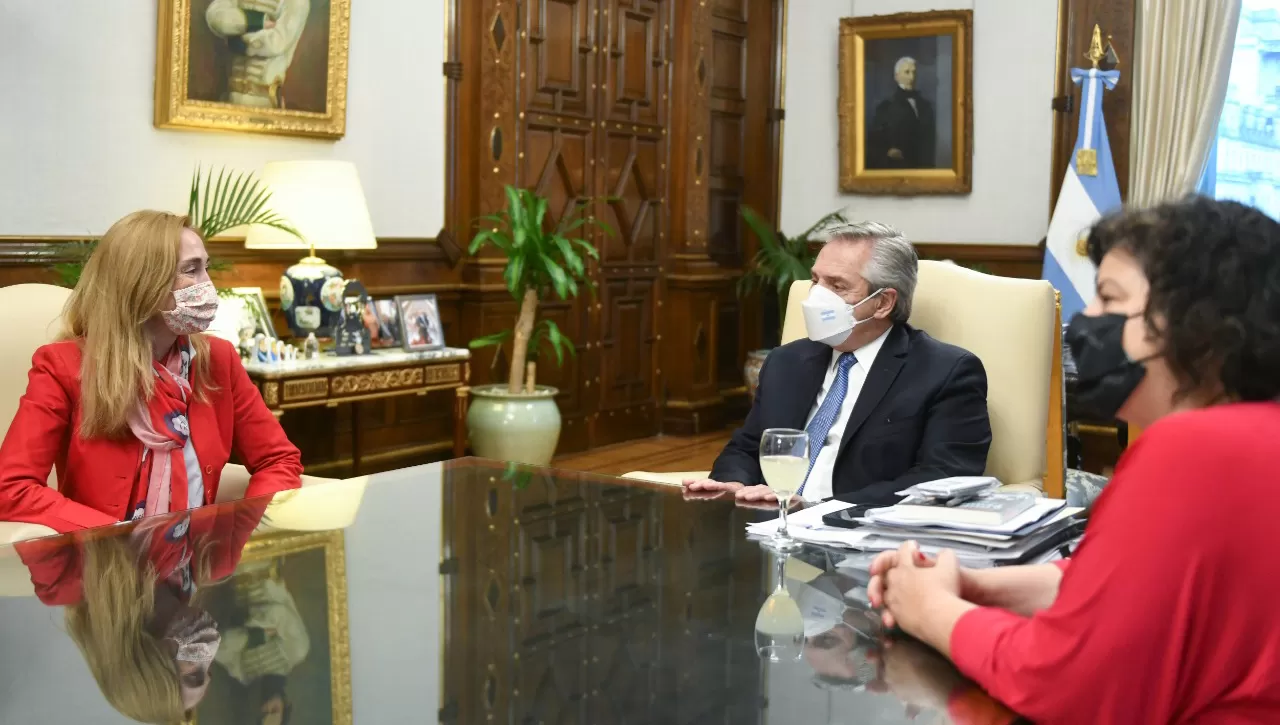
{"x": 1088, "y": 191}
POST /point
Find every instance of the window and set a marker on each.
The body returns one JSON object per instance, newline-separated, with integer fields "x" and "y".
{"x": 1245, "y": 162}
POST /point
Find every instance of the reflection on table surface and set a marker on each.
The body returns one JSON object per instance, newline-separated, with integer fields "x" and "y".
{"x": 468, "y": 592}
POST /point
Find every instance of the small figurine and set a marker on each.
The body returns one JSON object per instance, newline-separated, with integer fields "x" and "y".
{"x": 311, "y": 348}
{"x": 277, "y": 351}
{"x": 261, "y": 351}
{"x": 245, "y": 348}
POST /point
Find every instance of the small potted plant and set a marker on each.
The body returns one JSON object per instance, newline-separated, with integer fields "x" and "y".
{"x": 519, "y": 420}
{"x": 215, "y": 205}
{"x": 780, "y": 261}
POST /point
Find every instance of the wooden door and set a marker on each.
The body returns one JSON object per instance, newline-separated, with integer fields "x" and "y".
{"x": 592, "y": 117}
{"x": 665, "y": 115}
{"x": 632, "y": 172}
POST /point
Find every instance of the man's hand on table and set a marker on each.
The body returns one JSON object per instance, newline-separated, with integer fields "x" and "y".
{"x": 760, "y": 496}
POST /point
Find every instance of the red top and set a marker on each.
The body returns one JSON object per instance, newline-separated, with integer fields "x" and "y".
{"x": 96, "y": 476}
{"x": 1169, "y": 611}
{"x": 216, "y": 534}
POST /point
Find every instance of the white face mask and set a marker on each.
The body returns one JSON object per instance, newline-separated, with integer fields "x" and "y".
{"x": 829, "y": 319}
{"x": 194, "y": 309}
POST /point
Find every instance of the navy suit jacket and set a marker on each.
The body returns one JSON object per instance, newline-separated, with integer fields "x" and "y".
{"x": 921, "y": 415}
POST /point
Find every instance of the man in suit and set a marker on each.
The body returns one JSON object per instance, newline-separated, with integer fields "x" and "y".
{"x": 885, "y": 405}
{"x": 902, "y": 130}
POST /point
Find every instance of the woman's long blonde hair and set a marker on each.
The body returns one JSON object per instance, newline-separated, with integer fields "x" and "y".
{"x": 111, "y": 627}
{"x": 124, "y": 284}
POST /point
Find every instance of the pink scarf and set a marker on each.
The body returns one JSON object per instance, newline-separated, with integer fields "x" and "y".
{"x": 161, "y": 425}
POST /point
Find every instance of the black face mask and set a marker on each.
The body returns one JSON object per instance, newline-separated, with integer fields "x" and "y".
{"x": 1106, "y": 377}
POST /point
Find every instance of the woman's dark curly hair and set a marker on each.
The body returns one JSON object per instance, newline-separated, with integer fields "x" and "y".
{"x": 1214, "y": 270}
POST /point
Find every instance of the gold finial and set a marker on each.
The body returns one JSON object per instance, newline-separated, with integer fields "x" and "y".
{"x": 1096, "y": 54}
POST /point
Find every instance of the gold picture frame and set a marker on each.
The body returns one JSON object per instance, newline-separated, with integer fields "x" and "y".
{"x": 303, "y": 100}
{"x": 270, "y": 556}
{"x": 937, "y": 135}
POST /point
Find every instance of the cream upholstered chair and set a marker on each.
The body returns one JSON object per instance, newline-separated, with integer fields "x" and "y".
{"x": 31, "y": 315}
{"x": 1013, "y": 326}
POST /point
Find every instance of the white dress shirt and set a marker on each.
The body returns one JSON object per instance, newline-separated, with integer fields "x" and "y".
{"x": 911, "y": 100}
{"x": 818, "y": 486}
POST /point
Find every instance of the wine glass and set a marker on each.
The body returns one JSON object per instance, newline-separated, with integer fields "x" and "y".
{"x": 784, "y": 460}
{"x": 779, "y": 625}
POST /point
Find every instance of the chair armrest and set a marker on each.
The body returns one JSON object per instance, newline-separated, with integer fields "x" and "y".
{"x": 235, "y": 481}
{"x": 15, "y": 531}
{"x": 1035, "y": 486}
{"x": 675, "y": 478}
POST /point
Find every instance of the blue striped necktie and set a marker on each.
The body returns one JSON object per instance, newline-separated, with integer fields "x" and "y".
{"x": 827, "y": 413}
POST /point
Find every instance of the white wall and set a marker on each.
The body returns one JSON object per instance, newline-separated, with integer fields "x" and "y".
{"x": 1013, "y": 70}
{"x": 78, "y": 149}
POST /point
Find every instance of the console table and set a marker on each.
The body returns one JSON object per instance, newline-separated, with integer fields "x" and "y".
{"x": 333, "y": 380}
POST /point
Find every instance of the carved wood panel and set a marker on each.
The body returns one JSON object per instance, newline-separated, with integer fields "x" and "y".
{"x": 591, "y": 102}
{"x": 636, "y": 208}
{"x": 727, "y": 105}
{"x": 635, "y": 60}
{"x": 558, "y": 75}
{"x": 727, "y": 89}
{"x": 569, "y": 601}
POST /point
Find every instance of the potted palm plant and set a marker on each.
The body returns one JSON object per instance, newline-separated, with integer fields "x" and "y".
{"x": 519, "y": 420}
{"x": 215, "y": 205}
{"x": 780, "y": 261}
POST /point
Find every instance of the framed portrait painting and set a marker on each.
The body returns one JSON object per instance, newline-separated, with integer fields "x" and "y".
{"x": 906, "y": 103}
{"x": 262, "y": 66}
{"x": 284, "y": 654}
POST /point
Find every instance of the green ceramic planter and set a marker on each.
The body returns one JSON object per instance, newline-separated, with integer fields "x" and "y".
{"x": 523, "y": 427}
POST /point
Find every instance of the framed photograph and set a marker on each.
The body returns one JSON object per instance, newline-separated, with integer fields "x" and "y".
{"x": 262, "y": 66}
{"x": 271, "y": 605}
{"x": 241, "y": 311}
{"x": 383, "y": 319}
{"x": 906, "y": 103}
{"x": 420, "y": 322}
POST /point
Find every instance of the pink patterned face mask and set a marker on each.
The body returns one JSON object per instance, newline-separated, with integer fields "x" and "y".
{"x": 194, "y": 310}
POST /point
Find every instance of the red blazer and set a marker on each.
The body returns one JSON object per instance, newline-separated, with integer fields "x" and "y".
{"x": 96, "y": 476}
{"x": 56, "y": 563}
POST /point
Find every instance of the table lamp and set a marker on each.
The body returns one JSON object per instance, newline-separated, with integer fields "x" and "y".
{"x": 324, "y": 201}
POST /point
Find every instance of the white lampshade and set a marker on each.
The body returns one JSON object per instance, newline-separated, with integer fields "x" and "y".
{"x": 321, "y": 199}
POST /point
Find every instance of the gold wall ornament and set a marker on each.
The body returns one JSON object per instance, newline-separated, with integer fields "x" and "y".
{"x": 216, "y": 90}
{"x": 890, "y": 142}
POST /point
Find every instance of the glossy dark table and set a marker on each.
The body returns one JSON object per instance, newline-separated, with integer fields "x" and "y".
{"x": 464, "y": 592}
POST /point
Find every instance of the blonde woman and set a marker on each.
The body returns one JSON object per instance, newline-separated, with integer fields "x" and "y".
{"x": 135, "y": 408}
{"x": 131, "y": 603}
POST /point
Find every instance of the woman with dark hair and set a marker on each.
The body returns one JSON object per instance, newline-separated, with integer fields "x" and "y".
{"x": 1167, "y": 611}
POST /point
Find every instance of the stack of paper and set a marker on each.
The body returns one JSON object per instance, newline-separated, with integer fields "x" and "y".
{"x": 1029, "y": 537}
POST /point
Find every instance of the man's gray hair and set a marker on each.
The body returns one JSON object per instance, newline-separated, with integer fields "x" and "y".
{"x": 893, "y": 264}
{"x": 902, "y": 62}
